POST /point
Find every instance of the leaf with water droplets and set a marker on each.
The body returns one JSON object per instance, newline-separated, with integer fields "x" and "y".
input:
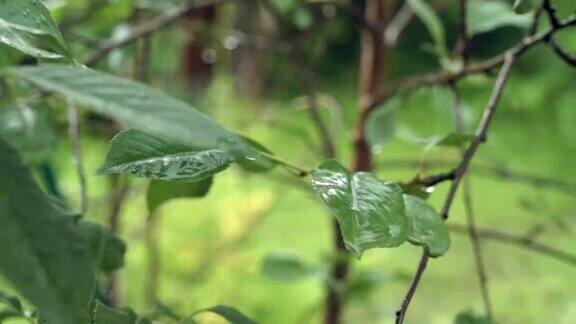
{"x": 41, "y": 251}
{"x": 428, "y": 229}
{"x": 27, "y": 26}
{"x": 369, "y": 211}
{"x": 141, "y": 154}
{"x": 138, "y": 106}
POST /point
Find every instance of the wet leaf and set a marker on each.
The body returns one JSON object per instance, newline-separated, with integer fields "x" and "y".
{"x": 428, "y": 229}
{"x": 141, "y": 107}
{"x": 140, "y": 154}
{"x": 41, "y": 252}
{"x": 369, "y": 211}
{"x": 27, "y": 26}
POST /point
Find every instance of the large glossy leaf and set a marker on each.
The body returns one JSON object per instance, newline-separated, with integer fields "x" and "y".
{"x": 27, "y": 26}
{"x": 143, "y": 155}
{"x": 106, "y": 249}
{"x": 160, "y": 192}
{"x": 27, "y": 130}
{"x": 41, "y": 251}
{"x": 141, "y": 107}
{"x": 369, "y": 211}
{"x": 428, "y": 229}
{"x": 488, "y": 15}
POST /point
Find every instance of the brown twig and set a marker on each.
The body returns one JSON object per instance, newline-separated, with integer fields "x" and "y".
{"x": 479, "y": 138}
{"x": 470, "y": 216}
{"x": 445, "y": 77}
{"x": 518, "y": 240}
{"x": 147, "y": 28}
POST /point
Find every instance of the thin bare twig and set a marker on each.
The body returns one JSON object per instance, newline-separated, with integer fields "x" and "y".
{"x": 445, "y": 77}
{"x": 479, "y": 138}
{"x": 470, "y": 217}
{"x": 147, "y": 28}
{"x": 74, "y": 130}
{"x": 526, "y": 242}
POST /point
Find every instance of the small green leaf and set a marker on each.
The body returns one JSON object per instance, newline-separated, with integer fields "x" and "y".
{"x": 470, "y": 318}
{"x": 231, "y": 314}
{"x": 428, "y": 229}
{"x": 41, "y": 252}
{"x": 28, "y": 131}
{"x": 106, "y": 248}
{"x": 160, "y": 192}
{"x": 488, "y": 15}
{"x": 370, "y": 212}
{"x": 143, "y": 155}
{"x": 27, "y": 26}
{"x": 433, "y": 23}
{"x": 524, "y": 6}
{"x": 382, "y": 125}
{"x": 141, "y": 107}
{"x": 284, "y": 267}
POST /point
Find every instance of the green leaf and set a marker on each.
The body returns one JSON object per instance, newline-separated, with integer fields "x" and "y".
{"x": 13, "y": 307}
{"x": 107, "y": 249}
{"x": 488, "y": 15}
{"x": 449, "y": 140}
{"x": 382, "y": 125}
{"x": 524, "y": 6}
{"x": 433, "y": 23}
{"x": 27, "y": 130}
{"x": 284, "y": 267}
{"x": 41, "y": 251}
{"x": 231, "y": 314}
{"x": 160, "y": 192}
{"x": 428, "y": 229}
{"x": 370, "y": 212}
{"x": 143, "y": 155}
{"x": 138, "y": 106}
{"x": 470, "y": 318}
{"x": 27, "y": 26}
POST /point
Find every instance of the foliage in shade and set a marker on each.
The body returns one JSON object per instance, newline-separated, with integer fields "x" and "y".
{"x": 471, "y": 318}
{"x": 433, "y": 23}
{"x": 106, "y": 249}
{"x": 57, "y": 277}
{"x": 427, "y": 227}
{"x": 160, "y": 192}
{"x": 12, "y": 307}
{"x": 143, "y": 155}
{"x": 284, "y": 267}
{"x": 27, "y": 130}
{"x": 27, "y": 26}
{"x": 106, "y": 315}
{"x": 525, "y": 6}
{"x": 369, "y": 211}
{"x": 138, "y": 106}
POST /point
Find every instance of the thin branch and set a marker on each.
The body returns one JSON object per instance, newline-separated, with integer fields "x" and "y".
{"x": 445, "y": 77}
{"x": 400, "y": 20}
{"x": 496, "y": 172}
{"x": 550, "y": 10}
{"x": 560, "y": 52}
{"x": 479, "y": 138}
{"x": 146, "y": 28}
{"x": 461, "y": 48}
{"x": 470, "y": 217}
{"x": 518, "y": 240}
{"x": 74, "y": 130}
